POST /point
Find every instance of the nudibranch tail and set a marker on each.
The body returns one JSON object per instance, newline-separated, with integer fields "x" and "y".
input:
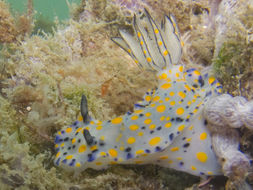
{"x": 153, "y": 47}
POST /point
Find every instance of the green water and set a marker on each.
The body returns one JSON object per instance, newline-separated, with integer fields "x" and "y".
{"x": 45, "y": 8}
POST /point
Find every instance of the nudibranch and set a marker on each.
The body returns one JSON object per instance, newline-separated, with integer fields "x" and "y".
{"x": 166, "y": 128}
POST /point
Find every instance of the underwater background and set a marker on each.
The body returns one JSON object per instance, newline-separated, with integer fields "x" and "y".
{"x": 52, "y": 52}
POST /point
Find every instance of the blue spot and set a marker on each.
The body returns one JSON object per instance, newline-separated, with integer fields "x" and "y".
{"x": 129, "y": 156}
{"x": 75, "y": 123}
{"x": 58, "y": 161}
{"x": 138, "y": 105}
{"x": 72, "y": 162}
{"x": 62, "y": 132}
{"x": 64, "y": 161}
{"x": 190, "y": 70}
{"x": 147, "y": 151}
{"x": 158, "y": 149}
{"x": 57, "y": 139}
{"x": 91, "y": 157}
{"x": 57, "y": 149}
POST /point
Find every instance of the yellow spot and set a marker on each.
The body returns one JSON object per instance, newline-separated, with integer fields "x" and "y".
{"x": 59, "y": 133}
{"x": 196, "y": 72}
{"x": 134, "y": 117}
{"x": 140, "y": 134}
{"x": 172, "y": 103}
{"x": 170, "y": 161}
{"x": 160, "y": 43}
{"x": 168, "y": 125}
{"x": 152, "y": 126}
{"x": 92, "y": 122}
{"x": 144, "y": 51}
{"x": 156, "y": 31}
{"x": 165, "y": 52}
{"x": 56, "y": 146}
{"x": 141, "y": 43}
{"x": 171, "y": 93}
{"x": 103, "y": 153}
{"x": 156, "y": 98}
{"x": 174, "y": 149}
{"x": 193, "y": 168}
{"x": 180, "y": 111}
{"x": 210, "y": 173}
{"x": 57, "y": 155}
{"x": 98, "y": 163}
{"x": 181, "y": 128}
{"x": 139, "y": 34}
{"x": 99, "y": 123}
{"x": 69, "y": 157}
{"x": 168, "y": 118}
{"x": 79, "y": 129}
{"x": 147, "y": 121}
{"x": 138, "y": 111}
{"x": 94, "y": 147}
{"x": 182, "y": 43}
{"x": 211, "y": 80}
{"x": 181, "y": 68}
{"x": 162, "y": 118}
{"x": 68, "y": 130}
{"x": 181, "y": 94}
{"x": 160, "y": 108}
{"x": 129, "y": 50}
{"x": 82, "y": 148}
{"x": 131, "y": 140}
{"x": 163, "y": 157}
{"x": 154, "y": 141}
{"x": 102, "y": 138}
{"x": 139, "y": 152}
{"x": 117, "y": 120}
{"x": 164, "y": 76}
{"x": 133, "y": 127}
{"x": 187, "y": 87}
{"x": 166, "y": 86}
{"x": 203, "y": 136}
{"x": 148, "y": 114}
{"x": 73, "y": 140}
{"x": 136, "y": 61}
{"x": 80, "y": 118}
{"x": 78, "y": 164}
{"x": 177, "y": 75}
{"x": 179, "y": 158}
{"x": 149, "y": 59}
{"x": 113, "y": 152}
{"x": 152, "y": 105}
{"x": 148, "y": 98}
{"x": 62, "y": 144}
{"x": 167, "y": 99}
{"x": 99, "y": 127}
{"x": 201, "y": 156}
{"x": 88, "y": 128}
{"x": 189, "y": 139}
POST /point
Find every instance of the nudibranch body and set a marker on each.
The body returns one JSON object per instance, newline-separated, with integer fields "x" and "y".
{"x": 167, "y": 128}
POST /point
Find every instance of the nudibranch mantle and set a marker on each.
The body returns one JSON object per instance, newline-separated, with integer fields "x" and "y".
{"x": 166, "y": 128}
